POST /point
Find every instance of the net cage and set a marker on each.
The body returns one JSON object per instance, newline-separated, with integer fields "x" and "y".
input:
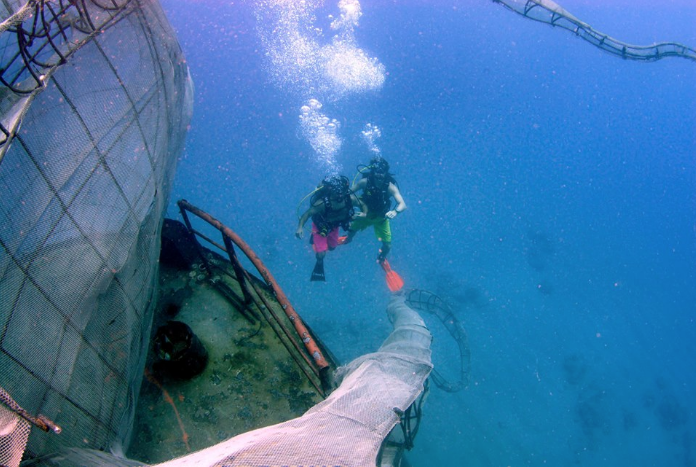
{"x": 95, "y": 98}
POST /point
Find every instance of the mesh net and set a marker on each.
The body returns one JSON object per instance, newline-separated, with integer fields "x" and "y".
{"x": 14, "y": 432}
{"x": 424, "y": 301}
{"x": 103, "y": 98}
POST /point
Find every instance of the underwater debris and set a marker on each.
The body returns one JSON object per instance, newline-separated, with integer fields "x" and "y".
{"x": 591, "y": 413}
{"x": 539, "y": 250}
{"x": 574, "y": 369}
{"x": 671, "y": 414}
{"x": 629, "y": 419}
{"x": 168, "y": 399}
{"x": 545, "y": 287}
{"x": 180, "y": 353}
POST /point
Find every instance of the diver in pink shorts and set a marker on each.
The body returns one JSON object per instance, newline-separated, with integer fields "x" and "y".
{"x": 331, "y": 206}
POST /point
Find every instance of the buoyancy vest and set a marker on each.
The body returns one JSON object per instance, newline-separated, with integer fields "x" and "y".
{"x": 331, "y": 218}
{"x": 376, "y": 197}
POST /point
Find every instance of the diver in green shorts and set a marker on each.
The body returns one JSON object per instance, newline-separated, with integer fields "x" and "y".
{"x": 378, "y": 187}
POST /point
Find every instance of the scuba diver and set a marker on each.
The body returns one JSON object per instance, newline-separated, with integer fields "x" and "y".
{"x": 378, "y": 187}
{"x": 332, "y": 205}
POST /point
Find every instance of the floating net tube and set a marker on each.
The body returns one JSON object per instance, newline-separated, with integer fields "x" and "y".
{"x": 546, "y": 11}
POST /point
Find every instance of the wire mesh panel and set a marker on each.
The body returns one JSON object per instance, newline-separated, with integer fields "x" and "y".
{"x": 94, "y": 104}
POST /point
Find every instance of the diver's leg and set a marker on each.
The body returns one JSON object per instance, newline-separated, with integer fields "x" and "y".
{"x": 358, "y": 224}
{"x": 349, "y": 236}
{"x": 320, "y": 246}
{"x": 332, "y": 239}
{"x": 384, "y": 251}
{"x": 383, "y": 234}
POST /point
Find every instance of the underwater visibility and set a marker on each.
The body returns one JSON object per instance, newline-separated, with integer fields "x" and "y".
{"x": 344, "y": 233}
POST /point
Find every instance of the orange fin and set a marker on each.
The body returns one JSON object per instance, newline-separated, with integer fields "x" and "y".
{"x": 394, "y": 281}
{"x": 342, "y": 240}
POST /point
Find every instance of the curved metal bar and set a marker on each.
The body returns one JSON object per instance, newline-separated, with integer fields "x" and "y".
{"x": 295, "y": 319}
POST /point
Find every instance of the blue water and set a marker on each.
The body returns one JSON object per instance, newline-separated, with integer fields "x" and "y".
{"x": 552, "y": 202}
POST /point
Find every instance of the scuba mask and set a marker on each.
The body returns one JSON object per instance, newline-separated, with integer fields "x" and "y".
{"x": 380, "y": 169}
{"x": 337, "y": 187}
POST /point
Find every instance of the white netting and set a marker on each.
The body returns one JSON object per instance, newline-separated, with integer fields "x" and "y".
{"x": 14, "y": 432}
{"x": 84, "y": 181}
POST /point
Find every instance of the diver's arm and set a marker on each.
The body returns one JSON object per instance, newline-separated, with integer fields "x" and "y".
{"x": 316, "y": 209}
{"x": 359, "y": 185}
{"x": 363, "y": 207}
{"x": 400, "y": 203}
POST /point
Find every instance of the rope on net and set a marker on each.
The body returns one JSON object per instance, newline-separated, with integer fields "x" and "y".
{"x": 36, "y": 40}
{"x": 40, "y": 421}
{"x": 549, "y": 12}
{"x": 42, "y": 34}
{"x": 422, "y": 300}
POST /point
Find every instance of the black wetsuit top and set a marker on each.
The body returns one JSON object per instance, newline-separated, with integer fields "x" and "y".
{"x": 377, "y": 199}
{"x": 332, "y": 218}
